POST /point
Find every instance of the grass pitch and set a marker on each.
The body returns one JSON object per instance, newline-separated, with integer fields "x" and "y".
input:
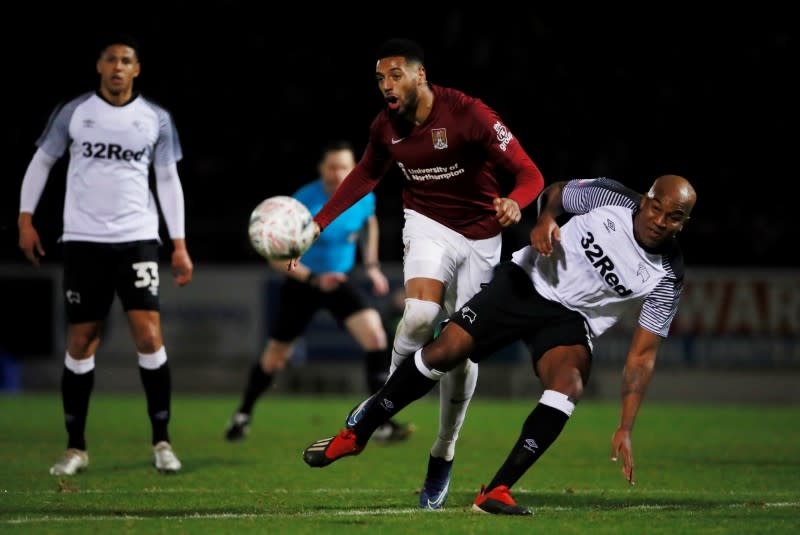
{"x": 699, "y": 469}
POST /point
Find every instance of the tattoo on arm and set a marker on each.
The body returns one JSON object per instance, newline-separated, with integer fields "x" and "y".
{"x": 634, "y": 381}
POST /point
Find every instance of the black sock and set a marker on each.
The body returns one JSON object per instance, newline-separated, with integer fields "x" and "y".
{"x": 158, "y": 390}
{"x": 540, "y": 429}
{"x": 377, "y": 368}
{"x": 405, "y": 385}
{"x": 257, "y": 383}
{"x": 76, "y": 389}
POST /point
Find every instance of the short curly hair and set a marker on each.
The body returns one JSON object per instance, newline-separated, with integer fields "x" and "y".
{"x": 120, "y": 38}
{"x": 399, "y": 46}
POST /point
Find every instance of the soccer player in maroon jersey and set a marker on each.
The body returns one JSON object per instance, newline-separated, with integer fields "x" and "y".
{"x": 452, "y": 150}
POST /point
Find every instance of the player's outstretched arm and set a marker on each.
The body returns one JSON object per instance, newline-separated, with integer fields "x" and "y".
{"x": 636, "y": 376}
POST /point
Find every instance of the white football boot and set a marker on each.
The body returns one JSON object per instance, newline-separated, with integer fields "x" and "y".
{"x": 72, "y": 462}
{"x": 165, "y": 460}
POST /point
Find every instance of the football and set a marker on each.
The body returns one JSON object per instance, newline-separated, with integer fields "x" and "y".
{"x": 281, "y": 228}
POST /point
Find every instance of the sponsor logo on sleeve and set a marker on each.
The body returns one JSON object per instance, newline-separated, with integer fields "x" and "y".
{"x": 504, "y": 136}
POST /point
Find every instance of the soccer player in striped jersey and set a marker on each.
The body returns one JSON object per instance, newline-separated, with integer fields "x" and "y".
{"x": 617, "y": 254}
{"x": 455, "y": 155}
{"x": 110, "y": 238}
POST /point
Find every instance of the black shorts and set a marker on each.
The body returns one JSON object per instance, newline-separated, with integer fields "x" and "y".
{"x": 510, "y": 309}
{"x": 298, "y": 302}
{"x": 95, "y": 272}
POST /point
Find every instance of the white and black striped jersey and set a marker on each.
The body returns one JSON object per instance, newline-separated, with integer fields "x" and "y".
{"x": 599, "y": 269}
{"x": 111, "y": 148}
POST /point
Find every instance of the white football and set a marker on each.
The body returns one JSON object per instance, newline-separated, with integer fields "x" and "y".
{"x": 281, "y": 228}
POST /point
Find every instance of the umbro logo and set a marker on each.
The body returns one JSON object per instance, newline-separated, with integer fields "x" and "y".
{"x": 141, "y": 127}
{"x": 531, "y": 445}
{"x": 609, "y": 225}
{"x": 642, "y": 272}
{"x": 387, "y": 404}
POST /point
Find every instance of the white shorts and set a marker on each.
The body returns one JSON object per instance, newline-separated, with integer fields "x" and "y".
{"x": 433, "y": 251}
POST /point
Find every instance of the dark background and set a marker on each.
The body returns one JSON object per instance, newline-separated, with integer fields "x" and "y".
{"x": 256, "y": 89}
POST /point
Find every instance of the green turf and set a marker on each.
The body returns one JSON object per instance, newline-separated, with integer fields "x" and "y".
{"x": 699, "y": 469}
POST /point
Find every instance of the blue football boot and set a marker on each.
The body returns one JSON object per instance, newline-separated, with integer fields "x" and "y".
{"x": 437, "y": 484}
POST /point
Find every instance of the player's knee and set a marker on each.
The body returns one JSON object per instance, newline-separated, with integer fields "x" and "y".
{"x": 442, "y": 356}
{"x": 81, "y": 338}
{"x": 147, "y": 336}
{"x": 567, "y": 379}
{"x": 450, "y": 349}
{"x": 366, "y": 327}
{"x": 437, "y": 357}
{"x": 565, "y": 369}
{"x": 374, "y": 340}
{"x": 275, "y": 359}
{"x": 273, "y": 365}
{"x": 80, "y": 344}
{"x": 573, "y": 386}
{"x": 148, "y": 343}
{"x": 419, "y": 318}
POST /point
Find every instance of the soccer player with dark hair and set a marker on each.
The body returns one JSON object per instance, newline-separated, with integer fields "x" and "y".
{"x": 617, "y": 254}
{"x": 455, "y": 155}
{"x": 110, "y": 239}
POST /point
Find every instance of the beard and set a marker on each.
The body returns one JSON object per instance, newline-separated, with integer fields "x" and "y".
{"x": 407, "y": 108}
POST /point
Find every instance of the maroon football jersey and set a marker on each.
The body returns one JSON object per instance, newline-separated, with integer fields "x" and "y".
{"x": 450, "y": 164}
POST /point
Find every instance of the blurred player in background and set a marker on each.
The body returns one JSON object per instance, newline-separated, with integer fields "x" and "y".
{"x": 322, "y": 281}
{"x": 617, "y": 254}
{"x": 111, "y": 235}
{"x": 455, "y": 154}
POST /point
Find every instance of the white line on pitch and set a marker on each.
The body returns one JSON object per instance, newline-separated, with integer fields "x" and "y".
{"x": 347, "y": 512}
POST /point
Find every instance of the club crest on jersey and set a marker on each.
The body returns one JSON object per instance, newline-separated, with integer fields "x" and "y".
{"x": 469, "y": 315}
{"x": 439, "y": 138}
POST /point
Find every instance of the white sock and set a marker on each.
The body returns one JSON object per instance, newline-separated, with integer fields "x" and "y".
{"x": 430, "y": 373}
{"x": 79, "y": 367}
{"x": 153, "y": 361}
{"x": 455, "y": 392}
{"x": 558, "y": 401}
